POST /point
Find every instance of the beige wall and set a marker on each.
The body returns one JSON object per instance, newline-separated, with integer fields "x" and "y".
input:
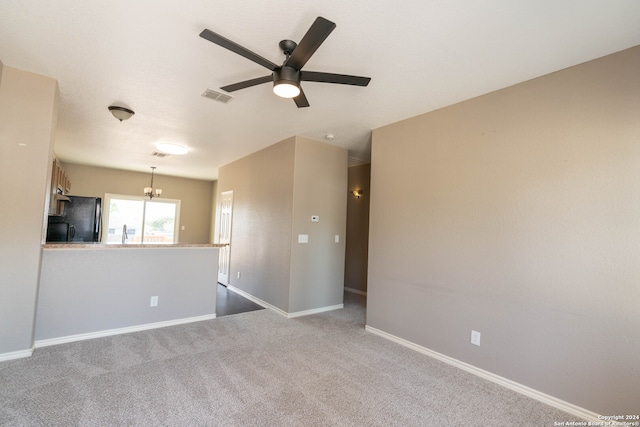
{"x": 195, "y": 195}
{"x": 357, "y": 247}
{"x": 320, "y": 188}
{"x": 213, "y": 222}
{"x": 28, "y": 108}
{"x": 262, "y": 186}
{"x": 275, "y": 193}
{"x": 517, "y": 214}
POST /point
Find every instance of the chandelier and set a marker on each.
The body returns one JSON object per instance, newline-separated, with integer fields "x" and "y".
{"x": 149, "y": 191}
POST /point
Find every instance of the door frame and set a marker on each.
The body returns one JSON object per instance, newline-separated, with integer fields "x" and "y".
{"x": 224, "y": 236}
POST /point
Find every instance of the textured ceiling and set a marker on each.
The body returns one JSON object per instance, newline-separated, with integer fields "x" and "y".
{"x": 147, "y": 55}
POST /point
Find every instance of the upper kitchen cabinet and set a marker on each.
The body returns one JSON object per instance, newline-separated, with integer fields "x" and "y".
{"x": 60, "y": 185}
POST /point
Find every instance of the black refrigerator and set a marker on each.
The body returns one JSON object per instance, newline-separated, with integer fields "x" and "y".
{"x": 79, "y": 221}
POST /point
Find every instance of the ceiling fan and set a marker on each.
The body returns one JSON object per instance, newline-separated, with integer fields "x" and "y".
{"x": 287, "y": 77}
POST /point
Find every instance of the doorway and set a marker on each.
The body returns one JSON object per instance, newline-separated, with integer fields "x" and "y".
{"x": 357, "y": 238}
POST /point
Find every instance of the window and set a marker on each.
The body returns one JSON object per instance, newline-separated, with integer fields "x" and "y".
{"x": 146, "y": 221}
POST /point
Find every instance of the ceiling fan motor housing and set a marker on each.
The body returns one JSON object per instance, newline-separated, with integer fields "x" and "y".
{"x": 286, "y": 74}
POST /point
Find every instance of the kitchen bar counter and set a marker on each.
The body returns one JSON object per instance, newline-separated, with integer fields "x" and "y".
{"x": 128, "y": 245}
{"x": 92, "y": 290}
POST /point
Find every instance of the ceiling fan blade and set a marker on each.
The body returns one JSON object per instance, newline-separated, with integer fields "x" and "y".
{"x": 247, "y": 83}
{"x": 236, "y": 48}
{"x": 314, "y": 76}
{"x": 319, "y": 31}
{"x": 301, "y": 100}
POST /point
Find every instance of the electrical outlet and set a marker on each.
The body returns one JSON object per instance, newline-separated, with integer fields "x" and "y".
{"x": 475, "y": 338}
{"x": 154, "y": 301}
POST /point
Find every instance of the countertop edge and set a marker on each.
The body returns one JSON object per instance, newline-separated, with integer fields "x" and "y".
{"x": 55, "y": 246}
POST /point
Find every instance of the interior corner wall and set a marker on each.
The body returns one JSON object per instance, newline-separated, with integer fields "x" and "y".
{"x": 194, "y": 194}
{"x": 320, "y": 189}
{"x": 262, "y": 185}
{"x": 213, "y": 223}
{"x": 357, "y": 241}
{"x": 517, "y": 214}
{"x": 28, "y": 112}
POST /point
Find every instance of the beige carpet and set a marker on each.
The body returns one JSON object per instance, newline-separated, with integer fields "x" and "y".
{"x": 254, "y": 369}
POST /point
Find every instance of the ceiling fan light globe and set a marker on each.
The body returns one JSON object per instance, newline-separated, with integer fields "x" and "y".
{"x": 286, "y": 90}
{"x": 286, "y": 82}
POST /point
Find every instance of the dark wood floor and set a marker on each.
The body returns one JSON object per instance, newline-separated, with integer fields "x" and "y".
{"x": 229, "y": 302}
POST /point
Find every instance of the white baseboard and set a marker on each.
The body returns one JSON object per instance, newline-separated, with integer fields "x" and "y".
{"x": 512, "y": 385}
{"x": 280, "y": 311}
{"x": 118, "y": 331}
{"x": 15, "y": 355}
{"x": 315, "y": 311}
{"x": 355, "y": 291}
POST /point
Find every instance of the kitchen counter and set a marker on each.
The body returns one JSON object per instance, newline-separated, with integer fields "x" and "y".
{"x": 129, "y": 245}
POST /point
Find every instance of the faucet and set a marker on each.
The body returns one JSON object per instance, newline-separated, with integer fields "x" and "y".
{"x": 124, "y": 234}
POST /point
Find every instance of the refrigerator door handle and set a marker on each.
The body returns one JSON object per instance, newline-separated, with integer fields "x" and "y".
{"x": 72, "y": 232}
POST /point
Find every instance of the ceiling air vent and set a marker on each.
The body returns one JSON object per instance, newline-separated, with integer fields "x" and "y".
{"x": 217, "y": 96}
{"x": 159, "y": 154}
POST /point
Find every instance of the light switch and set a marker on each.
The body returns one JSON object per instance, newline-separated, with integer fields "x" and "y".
{"x": 336, "y": 238}
{"x": 303, "y": 238}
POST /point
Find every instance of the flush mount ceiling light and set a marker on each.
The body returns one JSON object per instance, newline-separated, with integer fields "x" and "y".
{"x": 286, "y": 82}
{"x": 169, "y": 148}
{"x": 121, "y": 113}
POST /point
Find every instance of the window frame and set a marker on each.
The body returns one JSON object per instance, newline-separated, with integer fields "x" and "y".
{"x": 145, "y": 199}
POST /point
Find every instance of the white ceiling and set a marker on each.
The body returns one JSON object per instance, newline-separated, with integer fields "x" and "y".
{"x": 147, "y": 55}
